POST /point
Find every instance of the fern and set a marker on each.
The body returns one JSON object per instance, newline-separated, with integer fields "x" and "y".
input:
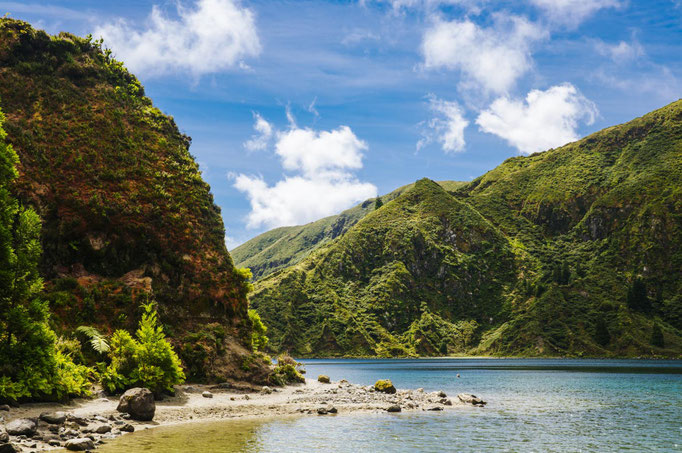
{"x": 98, "y": 342}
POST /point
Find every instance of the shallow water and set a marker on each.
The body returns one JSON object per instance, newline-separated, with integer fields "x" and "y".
{"x": 533, "y": 405}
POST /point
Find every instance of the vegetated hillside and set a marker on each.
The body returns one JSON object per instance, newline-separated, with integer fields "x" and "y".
{"x": 286, "y": 246}
{"x": 576, "y": 251}
{"x": 126, "y": 215}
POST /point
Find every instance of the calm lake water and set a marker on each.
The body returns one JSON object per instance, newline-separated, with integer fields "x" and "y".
{"x": 533, "y": 405}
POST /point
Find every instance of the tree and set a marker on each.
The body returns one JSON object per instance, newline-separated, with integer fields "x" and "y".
{"x": 601, "y": 332}
{"x": 378, "y": 203}
{"x": 637, "y": 298}
{"x": 31, "y": 365}
{"x": 657, "y": 336}
{"x": 565, "y": 274}
{"x": 258, "y": 331}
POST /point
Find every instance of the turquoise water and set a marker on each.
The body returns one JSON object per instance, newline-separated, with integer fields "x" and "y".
{"x": 533, "y": 405}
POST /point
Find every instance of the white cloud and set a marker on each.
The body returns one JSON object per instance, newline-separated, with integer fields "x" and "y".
{"x": 573, "y": 12}
{"x": 322, "y": 183}
{"x": 261, "y": 139}
{"x": 446, "y": 127}
{"x": 473, "y": 6}
{"x": 489, "y": 58}
{"x": 622, "y": 52}
{"x": 213, "y": 36}
{"x": 545, "y": 120}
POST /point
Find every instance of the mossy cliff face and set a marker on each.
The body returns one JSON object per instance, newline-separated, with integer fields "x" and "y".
{"x": 126, "y": 215}
{"x": 536, "y": 257}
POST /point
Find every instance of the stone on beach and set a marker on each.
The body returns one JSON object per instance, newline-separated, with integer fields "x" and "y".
{"x": 323, "y": 378}
{"x": 139, "y": 403}
{"x": 53, "y": 418}
{"x": 385, "y": 386}
{"x": 80, "y": 444}
{"x": 207, "y": 394}
{"x": 21, "y": 426}
{"x": 393, "y": 408}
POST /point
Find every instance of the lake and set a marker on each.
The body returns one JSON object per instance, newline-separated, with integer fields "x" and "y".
{"x": 538, "y": 405}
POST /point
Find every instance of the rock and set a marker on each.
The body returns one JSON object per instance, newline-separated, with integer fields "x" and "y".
{"x": 100, "y": 419}
{"x": 4, "y": 407}
{"x": 332, "y": 410}
{"x": 102, "y": 429}
{"x": 207, "y": 394}
{"x": 54, "y": 443}
{"x": 323, "y": 378}
{"x": 434, "y": 408}
{"x": 420, "y": 390}
{"x": 53, "y": 418}
{"x": 393, "y": 408}
{"x": 20, "y": 426}
{"x": 4, "y": 437}
{"x": 139, "y": 403}
{"x": 127, "y": 428}
{"x": 76, "y": 419}
{"x": 191, "y": 389}
{"x": 80, "y": 444}
{"x": 266, "y": 390}
{"x": 385, "y": 386}
{"x": 321, "y": 411}
{"x": 247, "y": 397}
{"x": 446, "y": 402}
{"x": 442, "y": 394}
{"x": 458, "y": 375}
{"x": 9, "y": 448}
{"x": 468, "y": 398}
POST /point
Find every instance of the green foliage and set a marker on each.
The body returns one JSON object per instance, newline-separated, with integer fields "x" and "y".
{"x": 657, "y": 336}
{"x": 637, "y": 298}
{"x": 286, "y": 372}
{"x": 601, "y": 332}
{"x": 258, "y": 330}
{"x": 31, "y": 365}
{"x": 378, "y": 203}
{"x": 97, "y": 341}
{"x": 145, "y": 361}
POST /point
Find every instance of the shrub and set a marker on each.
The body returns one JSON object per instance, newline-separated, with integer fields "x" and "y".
{"x": 145, "y": 361}
{"x": 258, "y": 331}
{"x": 286, "y": 371}
{"x": 657, "y": 336}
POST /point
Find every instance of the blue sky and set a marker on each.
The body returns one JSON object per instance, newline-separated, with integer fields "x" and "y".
{"x": 354, "y": 98}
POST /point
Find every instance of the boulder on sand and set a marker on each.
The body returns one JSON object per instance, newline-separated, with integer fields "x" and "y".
{"x": 139, "y": 403}
{"x": 323, "y": 378}
{"x": 22, "y": 426}
{"x": 80, "y": 444}
{"x": 53, "y": 418}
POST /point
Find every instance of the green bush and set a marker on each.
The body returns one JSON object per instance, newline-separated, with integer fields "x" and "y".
{"x": 286, "y": 371}
{"x": 145, "y": 361}
{"x": 258, "y": 331}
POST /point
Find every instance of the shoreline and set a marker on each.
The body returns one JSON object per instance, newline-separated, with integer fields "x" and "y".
{"x": 233, "y": 403}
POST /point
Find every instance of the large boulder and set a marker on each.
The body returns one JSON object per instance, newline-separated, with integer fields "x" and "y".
{"x": 139, "y": 403}
{"x": 22, "y": 426}
{"x": 385, "y": 386}
{"x": 80, "y": 444}
{"x": 323, "y": 378}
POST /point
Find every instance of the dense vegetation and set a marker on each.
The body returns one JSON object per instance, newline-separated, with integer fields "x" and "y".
{"x": 573, "y": 251}
{"x": 126, "y": 215}
{"x": 32, "y": 363}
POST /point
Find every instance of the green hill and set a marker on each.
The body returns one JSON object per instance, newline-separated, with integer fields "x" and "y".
{"x": 126, "y": 215}
{"x": 573, "y": 251}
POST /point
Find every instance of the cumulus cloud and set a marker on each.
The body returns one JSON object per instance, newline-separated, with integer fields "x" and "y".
{"x": 489, "y": 58}
{"x": 321, "y": 182}
{"x": 264, "y": 133}
{"x": 446, "y": 127}
{"x": 473, "y": 6}
{"x": 212, "y": 36}
{"x": 546, "y": 119}
{"x": 572, "y": 12}
{"x": 620, "y": 53}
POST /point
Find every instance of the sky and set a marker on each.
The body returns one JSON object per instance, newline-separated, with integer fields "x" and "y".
{"x": 300, "y": 109}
